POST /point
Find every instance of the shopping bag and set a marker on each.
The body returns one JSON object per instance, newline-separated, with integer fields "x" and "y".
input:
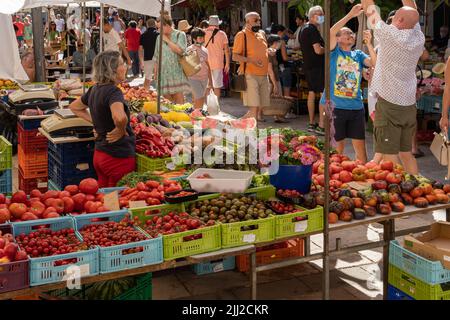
{"x": 212, "y": 104}
{"x": 440, "y": 148}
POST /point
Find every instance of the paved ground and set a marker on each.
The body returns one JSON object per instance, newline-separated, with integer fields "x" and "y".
{"x": 353, "y": 277}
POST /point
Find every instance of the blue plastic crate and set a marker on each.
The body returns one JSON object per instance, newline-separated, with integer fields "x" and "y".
{"x": 431, "y": 272}
{"x": 396, "y": 294}
{"x": 6, "y": 181}
{"x": 225, "y": 264}
{"x": 42, "y": 270}
{"x": 430, "y": 104}
{"x": 30, "y": 124}
{"x": 72, "y": 152}
{"x": 111, "y": 258}
{"x": 63, "y": 174}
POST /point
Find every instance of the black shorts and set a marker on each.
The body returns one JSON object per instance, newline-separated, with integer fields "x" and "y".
{"x": 349, "y": 124}
{"x": 315, "y": 79}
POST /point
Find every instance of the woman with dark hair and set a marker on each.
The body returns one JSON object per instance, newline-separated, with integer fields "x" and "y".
{"x": 114, "y": 154}
{"x": 52, "y": 35}
{"x": 173, "y": 80}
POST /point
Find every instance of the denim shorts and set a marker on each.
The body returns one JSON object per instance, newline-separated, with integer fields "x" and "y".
{"x": 286, "y": 77}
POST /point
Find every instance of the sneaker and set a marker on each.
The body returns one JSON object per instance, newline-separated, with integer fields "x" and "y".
{"x": 312, "y": 127}
{"x": 320, "y": 131}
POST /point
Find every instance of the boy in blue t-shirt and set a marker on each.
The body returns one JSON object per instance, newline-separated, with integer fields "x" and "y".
{"x": 346, "y": 72}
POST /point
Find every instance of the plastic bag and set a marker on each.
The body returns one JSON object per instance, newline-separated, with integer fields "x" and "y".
{"x": 212, "y": 104}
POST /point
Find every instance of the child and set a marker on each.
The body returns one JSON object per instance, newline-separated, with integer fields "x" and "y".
{"x": 199, "y": 81}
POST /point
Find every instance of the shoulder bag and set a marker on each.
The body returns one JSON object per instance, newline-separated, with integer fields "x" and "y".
{"x": 216, "y": 31}
{"x": 440, "y": 147}
{"x": 190, "y": 62}
{"x": 238, "y": 82}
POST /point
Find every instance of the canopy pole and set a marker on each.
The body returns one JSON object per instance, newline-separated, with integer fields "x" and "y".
{"x": 158, "y": 106}
{"x": 326, "y": 209}
{"x": 38, "y": 43}
{"x": 83, "y": 36}
{"x": 102, "y": 8}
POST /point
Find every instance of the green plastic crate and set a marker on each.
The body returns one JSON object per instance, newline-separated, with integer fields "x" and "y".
{"x": 177, "y": 246}
{"x": 142, "y": 290}
{"x": 5, "y": 154}
{"x": 146, "y": 164}
{"x": 262, "y": 193}
{"x": 286, "y": 225}
{"x": 416, "y": 288}
{"x": 162, "y": 209}
{"x": 234, "y": 236}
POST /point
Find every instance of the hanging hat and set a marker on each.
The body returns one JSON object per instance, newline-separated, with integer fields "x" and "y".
{"x": 183, "y": 25}
{"x": 214, "y": 21}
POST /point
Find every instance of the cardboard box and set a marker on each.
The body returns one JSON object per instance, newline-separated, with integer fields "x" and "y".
{"x": 433, "y": 245}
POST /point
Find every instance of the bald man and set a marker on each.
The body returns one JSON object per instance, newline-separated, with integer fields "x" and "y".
{"x": 394, "y": 81}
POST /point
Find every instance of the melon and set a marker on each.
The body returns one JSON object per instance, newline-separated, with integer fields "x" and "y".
{"x": 439, "y": 68}
{"x": 245, "y": 124}
{"x": 108, "y": 290}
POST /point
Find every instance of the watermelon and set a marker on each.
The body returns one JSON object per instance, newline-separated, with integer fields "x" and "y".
{"x": 108, "y": 290}
{"x": 244, "y": 124}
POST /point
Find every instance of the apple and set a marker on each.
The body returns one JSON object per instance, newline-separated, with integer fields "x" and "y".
{"x": 387, "y": 165}
{"x": 345, "y": 176}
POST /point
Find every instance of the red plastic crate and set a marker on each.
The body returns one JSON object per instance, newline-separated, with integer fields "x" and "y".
{"x": 13, "y": 275}
{"x": 28, "y": 184}
{"x": 31, "y": 140}
{"x": 32, "y": 163}
{"x": 273, "y": 253}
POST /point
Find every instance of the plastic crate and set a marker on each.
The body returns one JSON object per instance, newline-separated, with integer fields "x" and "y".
{"x": 30, "y": 124}
{"x": 72, "y": 152}
{"x": 432, "y": 272}
{"x": 286, "y": 225}
{"x": 262, "y": 193}
{"x": 146, "y": 213}
{"x": 416, "y": 288}
{"x": 28, "y": 184}
{"x": 224, "y": 264}
{"x": 42, "y": 270}
{"x": 146, "y": 164}
{"x": 52, "y": 186}
{"x": 111, "y": 258}
{"x": 5, "y": 154}
{"x": 234, "y": 236}
{"x": 430, "y": 104}
{"x": 32, "y": 163}
{"x": 13, "y": 275}
{"x": 6, "y": 181}
{"x": 273, "y": 253}
{"x": 63, "y": 174}
{"x": 396, "y": 294}
{"x": 31, "y": 140}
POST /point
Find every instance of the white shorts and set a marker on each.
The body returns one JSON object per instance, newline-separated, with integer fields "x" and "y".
{"x": 149, "y": 66}
{"x": 217, "y": 78}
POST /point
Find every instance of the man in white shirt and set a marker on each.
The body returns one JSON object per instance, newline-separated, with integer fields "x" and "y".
{"x": 112, "y": 41}
{"x": 73, "y": 22}
{"x": 394, "y": 81}
{"x": 59, "y": 23}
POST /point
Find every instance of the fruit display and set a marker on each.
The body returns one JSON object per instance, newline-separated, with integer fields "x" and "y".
{"x": 175, "y": 116}
{"x": 113, "y": 233}
{"x": 151, "y": 191}
{"x": 282, "y": 208}
{"x": 46, "y": 242}
{"x": 175, "y": 223}
{"x": 9, "y": 250}
{"x": 151, "y": 143}
{"x": 8, "y": 85}
{"x": 229, "y": 208}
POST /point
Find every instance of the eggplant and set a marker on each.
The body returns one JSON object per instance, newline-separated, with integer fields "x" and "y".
{"x": 149, "y": 119}
{"x": 141, "y": 117}
{"x": 165, "y": 123}
{"x": 359, "y": 214}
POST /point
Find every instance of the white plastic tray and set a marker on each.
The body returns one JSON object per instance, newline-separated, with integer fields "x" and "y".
{"x": 231, "y": 181}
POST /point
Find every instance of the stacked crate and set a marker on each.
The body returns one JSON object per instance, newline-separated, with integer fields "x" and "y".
{"x": 32, "y": 156}
{"x": 5, "y": 166}
{"x": 69, "y": 163}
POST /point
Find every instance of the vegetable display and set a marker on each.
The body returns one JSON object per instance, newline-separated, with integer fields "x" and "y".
{"x": 151, "y": 143}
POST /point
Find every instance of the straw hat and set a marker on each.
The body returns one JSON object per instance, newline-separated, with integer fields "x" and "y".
{"x": 183, "y": 25}
{"x": 214, "y": 21}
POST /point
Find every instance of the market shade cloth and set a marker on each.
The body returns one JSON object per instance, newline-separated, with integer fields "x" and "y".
{"x": 146, "y": 7}
{"x": 10, "y": 64}
{"x": 219, "y": 4}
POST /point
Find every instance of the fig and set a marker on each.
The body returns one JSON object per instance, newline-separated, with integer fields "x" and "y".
{"x": 407, "y": 186}
{"x": 359, "y": 214}
{"x": 394, "y": 188}
{"x": 398, "y": 207}
{"x": 421, "y": 202}
{"x": 384, "y": 209}
{"x": 370, "y": 211}
{"x": 346, "y": 216}
{"x": 407, "y": 199}
{"x": 345, "y": 193}
{"x": 347, "y": 203}
{"x": 336, "y": 207}
{"x": 432, "y": 200}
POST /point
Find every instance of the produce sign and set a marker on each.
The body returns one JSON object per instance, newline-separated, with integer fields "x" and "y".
{"x": 46, "y": 242}
{"x": 9, "y": 250}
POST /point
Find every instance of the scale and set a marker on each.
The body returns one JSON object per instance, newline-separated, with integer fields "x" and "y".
{"x": 33, "y": 96}
{"x": 64, "y": 123}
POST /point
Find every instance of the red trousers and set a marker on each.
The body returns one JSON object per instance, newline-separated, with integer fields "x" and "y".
{"x": 110, "y": 170}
